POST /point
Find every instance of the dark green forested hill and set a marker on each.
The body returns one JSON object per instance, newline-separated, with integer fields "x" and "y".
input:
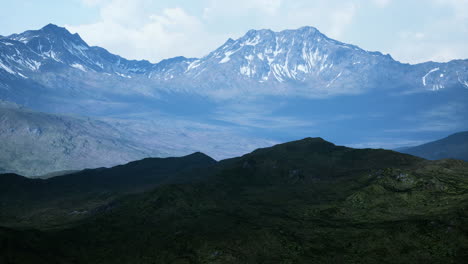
{"x": 307, "y": 201}
{"x": 45, "y": 203}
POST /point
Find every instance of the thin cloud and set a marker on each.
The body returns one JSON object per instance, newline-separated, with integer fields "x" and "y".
{"x": 130, "y": 30}
{"x": 258, "y": 116}
{"x": 382, "y": 3}
{"x": 144, "y": 29}
{"x": 387, "y": 143}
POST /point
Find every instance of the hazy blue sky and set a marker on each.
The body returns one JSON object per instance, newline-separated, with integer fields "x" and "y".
{"x": 410, "y": 30}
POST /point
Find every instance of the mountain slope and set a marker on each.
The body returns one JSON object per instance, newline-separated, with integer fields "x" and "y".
{"x": 452, "y": 147}
{"x": 36, "y": 143}
{"x": 73, "y": 196}
{"x": 307, "y": 201}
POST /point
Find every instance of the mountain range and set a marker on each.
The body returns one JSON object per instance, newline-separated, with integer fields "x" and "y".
{"x": 294, "y": 62}
{"x": 262, "y": 88}
{"x": 307, "y": 201}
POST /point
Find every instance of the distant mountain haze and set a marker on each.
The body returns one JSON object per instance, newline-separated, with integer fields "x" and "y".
{"x": 452, "y": 147}
{"x": 36, "y": 143}
{"x": 260, "y": 89}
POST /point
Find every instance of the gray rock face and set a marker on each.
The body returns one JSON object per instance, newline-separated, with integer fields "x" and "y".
{"x": 37, "y": 143}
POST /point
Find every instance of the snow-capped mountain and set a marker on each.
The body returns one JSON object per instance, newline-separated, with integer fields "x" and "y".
{"x": 300, "y": 62}
{"x": 52, "y": 46}
{"x": 303, "y": 57}
{"x": 306, "y": 62}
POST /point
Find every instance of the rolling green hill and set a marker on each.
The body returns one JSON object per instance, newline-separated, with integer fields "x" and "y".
{"x": 45, "y": 203}
{"x": 307, "y": 201}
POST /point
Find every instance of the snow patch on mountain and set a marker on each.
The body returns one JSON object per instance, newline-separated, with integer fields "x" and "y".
{"x": 6, "y": 68}
{"x": 22, "y": 75}
{"x": 123, "y": 75}
{"x": 252, "y": 42}
{"x": 79, "y": 67}
{"x": 227, "y": 56}
{"x": 334, "y": 79}
{"x": 427, "y": 74}
{"x": 437, "y": 87}
{"x": 194, "y": 65}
